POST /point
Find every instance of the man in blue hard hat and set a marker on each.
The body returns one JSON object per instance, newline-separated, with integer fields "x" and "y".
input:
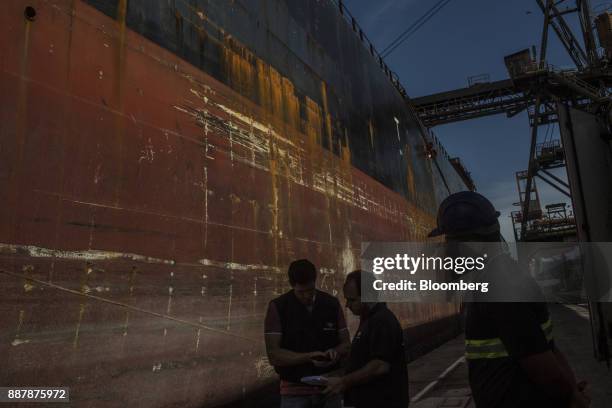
{"x": 511, "y": 354}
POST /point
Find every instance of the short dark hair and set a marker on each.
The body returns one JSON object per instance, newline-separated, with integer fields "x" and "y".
{"x": 302, "y": 271}
{"x": 357, "y": 276}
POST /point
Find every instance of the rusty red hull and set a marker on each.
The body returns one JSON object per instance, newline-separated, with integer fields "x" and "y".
{"x": 150, "y": 210}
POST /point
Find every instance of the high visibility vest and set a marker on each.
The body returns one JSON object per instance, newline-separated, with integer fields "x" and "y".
{"x": 494, "y": 348}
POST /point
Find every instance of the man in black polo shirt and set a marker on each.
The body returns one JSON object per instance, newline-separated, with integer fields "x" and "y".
{"x": 306, "y": 335}
{"x": 376, "y": 375}
{"x": 512, "y": 358}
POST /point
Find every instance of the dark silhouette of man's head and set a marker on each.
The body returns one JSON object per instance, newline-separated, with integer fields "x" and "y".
{"x": 467, "y": 216}
{"x": 352, "y": 291}
{"x": 302, "y": 278}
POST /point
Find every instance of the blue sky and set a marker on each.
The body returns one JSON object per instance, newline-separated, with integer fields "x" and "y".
{"x": 466, "y": 38}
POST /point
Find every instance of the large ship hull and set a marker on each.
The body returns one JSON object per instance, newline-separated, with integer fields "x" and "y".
{"x": 161, "y": 164}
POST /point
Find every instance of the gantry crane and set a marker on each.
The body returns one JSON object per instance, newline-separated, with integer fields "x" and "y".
{"x": 537, "y": 86}
{"x": 547, "y": 94}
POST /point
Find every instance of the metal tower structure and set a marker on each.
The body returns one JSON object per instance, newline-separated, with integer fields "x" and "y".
{"x": 552, "y": 95}
{"x": 538, "y": 87}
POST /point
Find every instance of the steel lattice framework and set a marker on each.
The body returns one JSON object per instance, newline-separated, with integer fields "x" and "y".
{"x": 534, "y": 85}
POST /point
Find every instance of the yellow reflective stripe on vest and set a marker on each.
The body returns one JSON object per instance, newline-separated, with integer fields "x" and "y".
{"x": 547, "y": 329}
{"x": 476, "y": 356}
{"x": 494, "y": 348}
{"x": 485, "y": 342}
{"x": 485, "y": 348}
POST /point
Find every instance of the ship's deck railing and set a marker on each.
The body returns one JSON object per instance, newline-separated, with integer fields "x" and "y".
{"x": 346, "y": 14}
{"x": 350, "y": 19}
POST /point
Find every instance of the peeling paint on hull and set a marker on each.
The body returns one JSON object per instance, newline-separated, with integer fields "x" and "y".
{"x": 153, "y": 199}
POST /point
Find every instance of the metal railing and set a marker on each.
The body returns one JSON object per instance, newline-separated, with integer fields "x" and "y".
{"x": 479, "y": 79}
{"x": 350, "y": 19}
{"x": 569, "y": 77}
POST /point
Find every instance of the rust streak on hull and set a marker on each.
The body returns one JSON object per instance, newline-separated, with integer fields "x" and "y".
{"x": 153, "y": 209}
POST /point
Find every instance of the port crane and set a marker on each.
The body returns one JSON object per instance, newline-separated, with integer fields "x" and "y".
{"x": 549, "y": 95}
{"x": 538, "y": 87}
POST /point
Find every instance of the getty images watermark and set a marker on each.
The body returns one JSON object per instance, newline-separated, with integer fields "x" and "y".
{"x": 487, "y": 272}
{"x": 413, "y": 264}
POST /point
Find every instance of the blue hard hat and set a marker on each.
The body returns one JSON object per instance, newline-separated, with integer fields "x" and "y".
{"x": 464, "y": 212}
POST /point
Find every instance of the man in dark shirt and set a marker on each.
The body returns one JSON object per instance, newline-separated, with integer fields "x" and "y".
{"x": 376, "y": 375}
{"x": 306, "y": 335}
{"x": 511, "y": 355}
